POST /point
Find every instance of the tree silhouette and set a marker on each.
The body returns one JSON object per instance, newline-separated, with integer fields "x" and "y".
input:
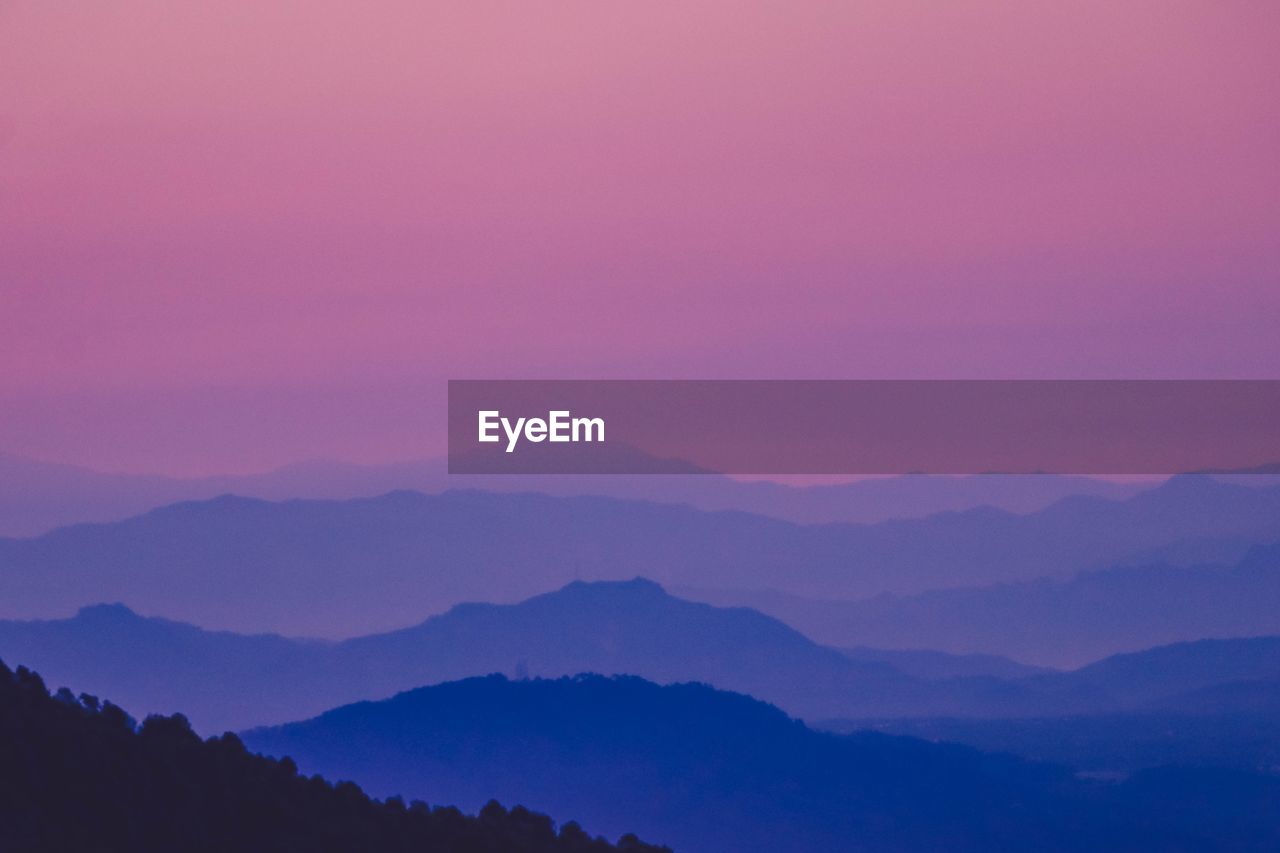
{"x": 77, "y": 773}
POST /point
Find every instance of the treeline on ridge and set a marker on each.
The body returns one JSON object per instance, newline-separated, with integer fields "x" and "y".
{"x": 77, "y": 773}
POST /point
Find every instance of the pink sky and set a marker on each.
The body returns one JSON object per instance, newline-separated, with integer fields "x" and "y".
{"x": 237, "y": 234}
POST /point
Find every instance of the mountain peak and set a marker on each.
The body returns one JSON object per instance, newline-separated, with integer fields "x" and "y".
{"x": 637, "y": 592}
{"x": 636, "y": 586}
{"x": 114, "y": 611}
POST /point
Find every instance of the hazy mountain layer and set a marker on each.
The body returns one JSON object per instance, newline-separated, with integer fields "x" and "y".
{"x": 342, "y": 568}
{"x": 1048, "y": 621}
{"x": 36, "y": 497}
{"x": 230, "y": 681}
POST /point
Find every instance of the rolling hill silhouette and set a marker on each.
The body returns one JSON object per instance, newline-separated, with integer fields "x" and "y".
{"x": 341, "y": 568}
{"x": 1048, "y": 621}
{"x": 1205, "y": 703}
{"x": 1156, "y": 675}
{"x": 704, "y": 770}
{"x": 36, "y": 497}
{"x": 228, "y": 681}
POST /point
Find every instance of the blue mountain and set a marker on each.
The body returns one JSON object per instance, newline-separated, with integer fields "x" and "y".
{"x": 343, "y": 568}
{"x": 228, "y": 681}
{"x": 1057, "y": 622}
{"x": 706, "y": 771}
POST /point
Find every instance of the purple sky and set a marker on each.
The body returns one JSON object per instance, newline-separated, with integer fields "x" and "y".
{"x": 234, "y": 236}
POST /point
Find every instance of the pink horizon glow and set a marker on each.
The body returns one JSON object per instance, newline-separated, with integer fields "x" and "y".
{"x": 237, "y": 235}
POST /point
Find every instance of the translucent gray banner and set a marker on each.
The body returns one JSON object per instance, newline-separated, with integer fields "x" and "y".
{"x": 863, "y": 426}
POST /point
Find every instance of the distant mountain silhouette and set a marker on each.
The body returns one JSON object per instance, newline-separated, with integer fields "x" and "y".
{"x": 1211, "y": 702}
{"x": 634, "y": 628}
{"x": 221, "y": 680}
{"x": 706, "y": 771}
{"x": 340, "y": 568}
{"x": 1062, "y": 623}
{"x": 228, "y": 681}
{"x": 36, "y": 497}
{"x": 78, "y": 774}
{"x": 1155, "y": 675}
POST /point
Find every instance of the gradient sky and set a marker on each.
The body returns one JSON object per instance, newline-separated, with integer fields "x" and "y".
{"x": 233, "y": 235}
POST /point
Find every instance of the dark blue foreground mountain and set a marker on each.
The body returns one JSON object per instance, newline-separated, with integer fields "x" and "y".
{"x": 706, "y": 771}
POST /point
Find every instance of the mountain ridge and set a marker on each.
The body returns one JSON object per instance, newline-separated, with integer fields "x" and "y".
{"x": 630, "y": 627}
{"x": 343, "y": 568}
{"x": 1056, "y": 622}
{"x": 42, "y": 496}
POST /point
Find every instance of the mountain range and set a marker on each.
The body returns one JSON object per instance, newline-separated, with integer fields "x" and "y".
{"x": 1049, "y": 621}
{"x": 227, "y": 681}
{"x": 343, "y": 568}
{"x": 703, "y": 770}
{"x": 36, "y": 497}
{"x": 1234, "y": 726}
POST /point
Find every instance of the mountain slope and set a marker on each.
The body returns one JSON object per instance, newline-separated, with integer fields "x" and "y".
{"x": 78, "y": 775}
{"x": 636, "y": 628}
{"x": 706, "y": 771}
{"x": 221, "y": 680}
{"x": 229, "y": 681}
{"x": 341, "y": 568}
{"x": 1153, "y": 674}
{"x": 1051, "y": 622}
{"x": 633, "y": 627}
